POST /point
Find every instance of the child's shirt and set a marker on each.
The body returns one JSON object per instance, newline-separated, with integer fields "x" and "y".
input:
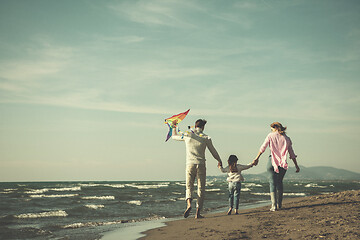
{"x": 235, "y": 176}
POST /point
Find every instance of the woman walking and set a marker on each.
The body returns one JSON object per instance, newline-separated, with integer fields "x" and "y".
{"x": 280, "y": 145}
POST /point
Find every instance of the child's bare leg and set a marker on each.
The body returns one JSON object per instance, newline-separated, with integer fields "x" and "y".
{"x": 229, "y": 212}
{"x": 236, "y": 211}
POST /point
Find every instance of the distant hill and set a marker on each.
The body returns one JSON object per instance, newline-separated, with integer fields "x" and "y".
{"x": 307, "y": 173}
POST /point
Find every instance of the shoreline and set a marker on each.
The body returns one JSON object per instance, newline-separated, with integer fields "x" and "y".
{"x": 137, "y": 230}
{"x": 330, "y": 216}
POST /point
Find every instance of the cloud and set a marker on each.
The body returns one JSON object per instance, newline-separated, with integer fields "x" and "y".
{"x": 25, "y": 71}
{"x": 38, "y": 61}
{"x": 156, "y": 13}
{"x": 127, "y": 39}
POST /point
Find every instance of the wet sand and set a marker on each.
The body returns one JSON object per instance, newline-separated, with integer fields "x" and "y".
{"x": 331, "y": 216}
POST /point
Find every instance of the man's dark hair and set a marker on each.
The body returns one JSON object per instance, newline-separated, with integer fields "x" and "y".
{"x": 200, "y": 123}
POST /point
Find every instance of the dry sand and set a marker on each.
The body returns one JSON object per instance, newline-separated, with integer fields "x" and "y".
{"x": 332, "y": 216}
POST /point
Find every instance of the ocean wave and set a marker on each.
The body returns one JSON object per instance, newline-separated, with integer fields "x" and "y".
{"x": 99, "y": 198}
{"x": 95, "y": 224}
{"x": 176, "y": 193}
{"x": 90, "y": 184}
{"x": 90, "y": 224}
{"x": 135, "y": 202}
{"x": 59, "y": 213}
{"x": 245, "y": 189}
{"x": 180, "y": 183}
{"x": 53, "y": 196}
{"x": 167, "y": 200}
{"x": 93, "y": 206}
{"x": 37, "y": 191}
{"x": 7, "y": 192}
{"x": 147, "y": 186}
{"x": 314, "y": 185}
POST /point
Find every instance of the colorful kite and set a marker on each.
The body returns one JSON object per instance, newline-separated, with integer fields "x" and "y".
{"x": 174, "y": 121}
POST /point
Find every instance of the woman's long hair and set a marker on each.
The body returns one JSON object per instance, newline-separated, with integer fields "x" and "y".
{"x": 232, "y": 163}
{"x": 278, "y": 127}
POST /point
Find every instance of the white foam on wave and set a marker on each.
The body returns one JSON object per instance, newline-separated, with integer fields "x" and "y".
{"x": 115, "y": 185}
{"x": 253, "y": 185}
{"x": 44, "y": 190}
{"x": 37, "y": 191}
{"x": 59, "y": 213}
{"x": 53, "y": 196}
{"x": 102, "y": 185}
{"x": 213, "y": 190}
{"x": 285, "y": 194}
{"x": 135, "y": 202}
{"x": 176, "y": 193}
{"x": 90, "y": 224}
{"x": 66, "y": 189}
{"x": 99, "y": 197}
{"x": 93, "y": 206}
{"x": 8, "y": 190}
{"x": 245, "y": 189}
{"x": 180, "y": 183}
{"x": 94, "y": 224}
{"x": 147, "y": 186}
{"x": 294, "y": 194}
{"x": 90, "y": 184}
{"x": 314, "y": 185}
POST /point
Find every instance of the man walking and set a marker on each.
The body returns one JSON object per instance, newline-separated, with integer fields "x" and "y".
{"x": 196, "y": 142}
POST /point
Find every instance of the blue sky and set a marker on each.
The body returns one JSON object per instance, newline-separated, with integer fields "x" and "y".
{"x": 86, "y": 85}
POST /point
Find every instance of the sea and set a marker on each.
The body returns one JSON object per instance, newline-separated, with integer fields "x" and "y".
{"x": 91, "y": 210}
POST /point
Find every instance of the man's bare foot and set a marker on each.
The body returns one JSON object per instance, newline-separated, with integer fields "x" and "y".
{"x": 198, "y": 216}
{"x": 229, "y": 212}
{"x": 187, "y": 212}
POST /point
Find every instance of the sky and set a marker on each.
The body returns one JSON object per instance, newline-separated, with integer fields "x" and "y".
{"x": 85, "y": 85}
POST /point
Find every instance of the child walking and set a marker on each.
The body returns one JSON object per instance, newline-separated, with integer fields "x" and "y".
{"x": 234, "y": 178}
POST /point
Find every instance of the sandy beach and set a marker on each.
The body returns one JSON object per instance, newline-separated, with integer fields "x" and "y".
{"x": 331, "y": 216}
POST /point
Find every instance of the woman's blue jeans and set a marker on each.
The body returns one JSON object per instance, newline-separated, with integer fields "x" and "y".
{"x": 234, "y": 194}
{"x": 275, "y": 179}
